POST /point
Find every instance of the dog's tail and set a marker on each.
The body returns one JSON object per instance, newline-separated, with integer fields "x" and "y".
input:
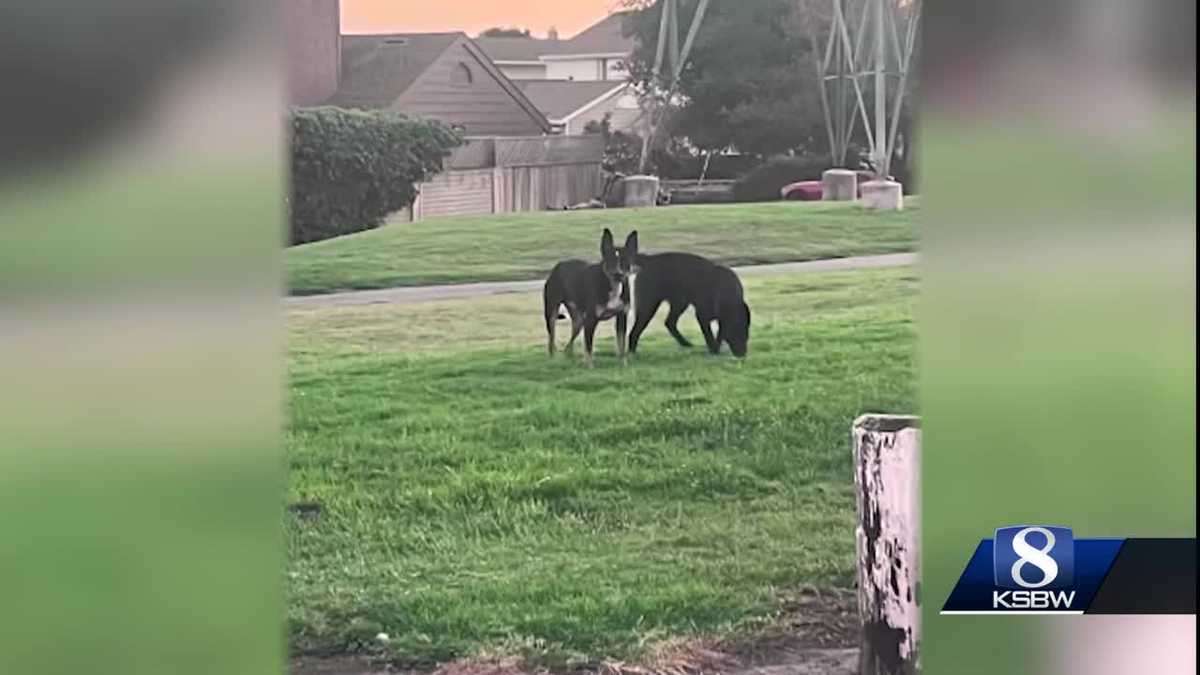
{"x": 552, "y": 299}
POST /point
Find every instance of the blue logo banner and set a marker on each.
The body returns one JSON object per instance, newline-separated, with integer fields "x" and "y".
{"x": 1033, "y": 569}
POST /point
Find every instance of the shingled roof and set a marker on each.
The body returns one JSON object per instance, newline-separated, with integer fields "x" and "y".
{"x": 518, "y": 48}
{"x": 603, "y": 37}
{"x": 558, "y": 99}
{"x": 377, "y": 69}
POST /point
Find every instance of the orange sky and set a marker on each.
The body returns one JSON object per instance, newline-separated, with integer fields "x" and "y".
{"x": 472, "y": 16}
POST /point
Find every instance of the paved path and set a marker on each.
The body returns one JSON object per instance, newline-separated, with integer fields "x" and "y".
{"x": 453, "y": 291}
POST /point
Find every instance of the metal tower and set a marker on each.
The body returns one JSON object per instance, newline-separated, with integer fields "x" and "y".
{"x": 868, "y": 42}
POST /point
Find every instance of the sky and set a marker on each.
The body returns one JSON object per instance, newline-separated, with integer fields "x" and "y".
{"x": 472, "y": 16}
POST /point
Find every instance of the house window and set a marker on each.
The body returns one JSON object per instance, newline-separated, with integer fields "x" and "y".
{"x": 462, "y": 76}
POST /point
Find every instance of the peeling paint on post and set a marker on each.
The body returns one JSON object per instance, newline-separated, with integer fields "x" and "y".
{"x": 887, "y": 452}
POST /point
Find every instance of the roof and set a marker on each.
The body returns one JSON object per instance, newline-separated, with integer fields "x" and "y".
{"x": 517, "y": 48}
{"x": 604, "y": 37}
{"x": 377, "y": 69}
{"x": 558, "y": 99}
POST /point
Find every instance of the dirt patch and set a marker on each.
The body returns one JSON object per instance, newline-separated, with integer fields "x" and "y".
{"x": 815, "y": 632}
{"x": 677, "y": 657}
{"x": 808, "y": 619}
{"x": 338, "y": 665}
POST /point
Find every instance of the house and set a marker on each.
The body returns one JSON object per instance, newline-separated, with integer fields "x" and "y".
{"x": 312, "y": 37}
{"x": 519, "y": 58}
{"x": 442, "y": 76}
{"x": 571, "y": 104}
{"x": 598, "y": 53}
{"x": 573, "y": 81}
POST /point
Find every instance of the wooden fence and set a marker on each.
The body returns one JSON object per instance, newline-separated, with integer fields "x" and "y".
{"x": 501, "y": 175}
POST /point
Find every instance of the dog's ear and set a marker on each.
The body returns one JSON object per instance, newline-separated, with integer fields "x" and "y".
{"x": 606, "y": 244}
{"x": 746, "y": 313}
{"x": 631, "y": 245}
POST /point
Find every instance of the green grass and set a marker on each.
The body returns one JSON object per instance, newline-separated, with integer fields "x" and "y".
{"x": 480, "y": 497}
{"x": 524, "y": 245}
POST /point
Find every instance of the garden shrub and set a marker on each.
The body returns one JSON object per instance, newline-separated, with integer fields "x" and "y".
{"x": 351, "y": 169}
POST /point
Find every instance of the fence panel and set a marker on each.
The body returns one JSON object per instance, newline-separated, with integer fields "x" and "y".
{"x": 477, "y": 153}
{"x": 457, "y": 193}
{"x": 546, "y": 150}
{"x": 501, "y": 175}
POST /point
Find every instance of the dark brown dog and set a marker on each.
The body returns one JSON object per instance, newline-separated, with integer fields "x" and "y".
{"x": 592, "y": 293}
{"x": 682, "y": 280}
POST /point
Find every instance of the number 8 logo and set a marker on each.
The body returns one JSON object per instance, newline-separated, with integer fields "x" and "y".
{"x": 1028, "y": 555}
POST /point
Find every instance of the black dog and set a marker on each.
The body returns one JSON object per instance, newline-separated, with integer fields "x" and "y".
{"x": 592, "y": 293}
{"x": 683, "y": 279}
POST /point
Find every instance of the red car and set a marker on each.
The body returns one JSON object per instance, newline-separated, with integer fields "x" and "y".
{"x": 811, "y": 191}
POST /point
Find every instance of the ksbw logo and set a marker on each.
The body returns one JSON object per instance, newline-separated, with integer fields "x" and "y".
{"x": 1036, "y": 567}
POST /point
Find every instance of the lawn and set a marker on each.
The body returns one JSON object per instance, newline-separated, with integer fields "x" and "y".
{"x": 468, "y": 494}
{"x": 525, "y": 245}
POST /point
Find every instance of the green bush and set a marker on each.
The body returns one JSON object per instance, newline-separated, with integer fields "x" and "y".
{"x": 764, "y": 182}
{"x": 352, "y": 168}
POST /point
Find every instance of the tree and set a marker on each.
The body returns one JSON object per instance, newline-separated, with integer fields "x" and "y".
{"x": 506, "y": 32}
{"x": 621, "y": 150}
{"x": 749, "y": 82}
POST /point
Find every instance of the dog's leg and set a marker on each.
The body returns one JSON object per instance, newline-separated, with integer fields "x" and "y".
{"x": 551, "y": 301}
{"x": 677, "y": 310}
{"x": 576, "y": 326}
{"x": 645, "y": 312}
{"x": 622, "y": 321}
{"x": 714, "y": 345}
{"x": 589, "y": 335}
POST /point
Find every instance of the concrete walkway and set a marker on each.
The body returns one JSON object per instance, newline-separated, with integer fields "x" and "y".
{"x": 457, "y": 291}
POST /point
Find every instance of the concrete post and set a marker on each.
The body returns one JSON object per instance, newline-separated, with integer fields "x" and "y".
{"x": 839, "y": 185}
{"x": 885, "y": 195}
{"x": 641, "y": 191}
{"x": 887, "y": 451}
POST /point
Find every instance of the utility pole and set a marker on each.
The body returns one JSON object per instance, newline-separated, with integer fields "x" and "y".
{"x": 667, "y": 51}
{"x": 882, "y": 152}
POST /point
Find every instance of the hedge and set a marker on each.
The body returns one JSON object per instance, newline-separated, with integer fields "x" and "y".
{"x": 350, "y": 169}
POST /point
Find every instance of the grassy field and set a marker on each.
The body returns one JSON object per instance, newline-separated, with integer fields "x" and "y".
{"x": 475, "y": 496}
{"x": 518, "y": 246}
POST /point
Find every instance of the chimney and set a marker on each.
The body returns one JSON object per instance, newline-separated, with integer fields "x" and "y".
{"x": 552, "y": 34}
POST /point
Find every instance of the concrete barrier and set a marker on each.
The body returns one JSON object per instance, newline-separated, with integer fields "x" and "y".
{"x": 641, "y": 191}
{"x": 885, "y": 195}
{"x": 839, "y": 185}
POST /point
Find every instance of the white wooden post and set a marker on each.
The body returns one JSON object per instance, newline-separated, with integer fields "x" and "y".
{"x": 497, "y": 190}
{"x": 415, "y": 209}
{"x": 887, "y": 453}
